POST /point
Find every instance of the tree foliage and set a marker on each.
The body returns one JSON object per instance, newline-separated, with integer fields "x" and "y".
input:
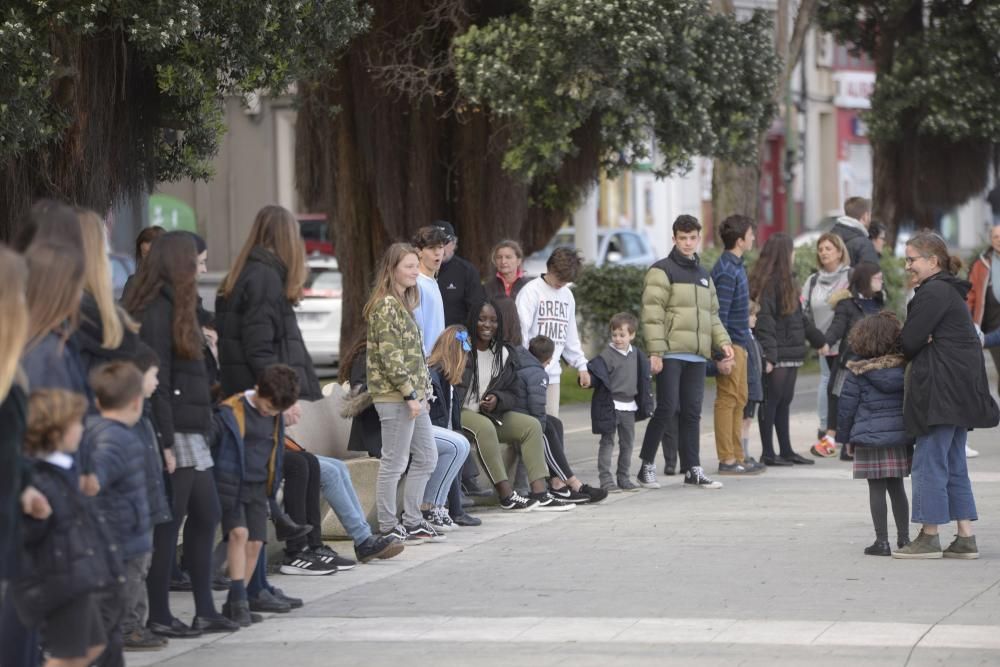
{"x": 103, "y": 98}
{"x": 933, "y": 116}
{"x": 650, "y": 71}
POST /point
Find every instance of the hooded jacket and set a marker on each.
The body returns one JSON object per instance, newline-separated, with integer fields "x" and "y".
{"x": 680, "y": 310}
{"x": 229, "y": 452}
{"x": 855, "y": 236}
{"x": 532, "y": 385}
{"x": 366, "y": 430}
{"x": 946, "y": 381}
{"x": 444, "y": 412}
{"x": 257, "y": 328}
{"x": 602, "y": 403}
{"x": 870, "y": 411}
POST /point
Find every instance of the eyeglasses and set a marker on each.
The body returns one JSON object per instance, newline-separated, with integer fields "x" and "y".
{"x": 908, "y": 260}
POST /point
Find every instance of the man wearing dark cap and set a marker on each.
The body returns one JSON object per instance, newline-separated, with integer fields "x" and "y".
{"x": 461, "y": 287}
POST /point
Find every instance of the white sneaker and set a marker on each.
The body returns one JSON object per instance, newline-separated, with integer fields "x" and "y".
{"x": 971, "y": 453}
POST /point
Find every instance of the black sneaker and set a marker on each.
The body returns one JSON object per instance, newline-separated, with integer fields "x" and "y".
{"x": 515, "y": 502}
{"x": 696, "y": 478}
{"x": 377, "y": 546}
{"x": 465, "y": 519}
{"x": 306, "y": 564}
{"x": 596, "y": 495}
{"x": 141, "y": 639}
{"x": 214, "y": 624}
{"x": 732, "y": 469}
{"x": 568, "y": 495}
{"x": 647, "y": 476}
{"x": 269, "y": 603}
{"x": 754, "y": 467}
{"x": 397, "y": 534}
{"x": 425, "y": 532}
{"x": 330, "y": 556}
{"x": 544, "y": 502}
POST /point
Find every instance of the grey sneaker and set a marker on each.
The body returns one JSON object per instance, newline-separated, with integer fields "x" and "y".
{"x": 924, "y": 546}
{"x": 732, "y": 469}
{"x": 625, "y": 484}
{"x": 962, "y": 547}
{"x": 647, "y": 476}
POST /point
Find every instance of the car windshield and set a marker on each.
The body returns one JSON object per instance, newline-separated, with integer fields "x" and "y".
{"x": 323, "y": 283}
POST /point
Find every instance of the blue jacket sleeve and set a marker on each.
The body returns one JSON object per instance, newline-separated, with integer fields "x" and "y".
{"x": 847, "y": 407}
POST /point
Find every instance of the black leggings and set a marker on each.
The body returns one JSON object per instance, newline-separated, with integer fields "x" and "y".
{"x": 779, "y": 388}
{"x": 193, "y": 495}
{"x": 555, "y": 452}
{"x": 301, "y": 471}
{"x": 877, "y": 488}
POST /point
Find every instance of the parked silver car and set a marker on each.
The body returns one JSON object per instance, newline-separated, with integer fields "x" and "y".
{"x": 614, "y": 246}
{"x": 319, "y": 311}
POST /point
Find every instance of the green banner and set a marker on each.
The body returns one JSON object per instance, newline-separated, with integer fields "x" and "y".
{"x": 171, "y": 213}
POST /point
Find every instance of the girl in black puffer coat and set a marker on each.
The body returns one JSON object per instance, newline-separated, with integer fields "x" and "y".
{"x": 165, "y": 302}
{"x": 871, "y": 420}
{"x": 254, "y": 316}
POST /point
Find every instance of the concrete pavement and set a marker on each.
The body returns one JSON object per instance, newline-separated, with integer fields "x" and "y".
{"x": 767, "y": 570}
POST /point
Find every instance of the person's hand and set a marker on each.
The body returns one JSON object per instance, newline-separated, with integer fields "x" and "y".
{"x": 415, "y": 408}
{"x": 212, "y": 340}
{"x": 656, "y": 364}
{"x": 725, "y": 366}
{"x": 293, "y": 415}
{"x": 824, "y": 351}
{"x": 489, "y": 403}
{"x": 35, "y": 504}
{"x": 169, "y": 461}
{"x": 584, "y": 379}
{"x": 89, "y": 485}
{"x": 768, "y": 367}
{"x": 728, "y": 351}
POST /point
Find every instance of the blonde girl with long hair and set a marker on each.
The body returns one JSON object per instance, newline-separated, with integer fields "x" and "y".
{"x": 400, "y": 387}
{"x": 254, "y": 311}
{"x": 13, "y": 408}
{"x": 447, "y": 363}
{"x": 106, "y": 331}
{"x": 55, "y": 287}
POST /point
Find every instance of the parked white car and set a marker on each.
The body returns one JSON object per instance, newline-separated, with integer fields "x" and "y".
{"x": 614, "y": 246}
{"x": 319, "y": 311}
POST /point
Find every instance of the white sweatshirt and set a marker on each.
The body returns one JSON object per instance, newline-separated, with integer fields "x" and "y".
{"x": 546, "y": 311}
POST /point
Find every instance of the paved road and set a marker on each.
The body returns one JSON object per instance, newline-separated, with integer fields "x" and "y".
{"x": 767, "y": 570}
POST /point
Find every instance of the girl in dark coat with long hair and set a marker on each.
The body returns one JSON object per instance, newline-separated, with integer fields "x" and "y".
{"x": 165, "y": 301}
{"x": 782, "y": 331}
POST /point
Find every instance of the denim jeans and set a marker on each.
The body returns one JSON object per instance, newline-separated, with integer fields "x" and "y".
{"x": 822, "y": 399}
{"x": 404, "y": 440}
{"x": 335, "y": 485}
{"x": 453, "y": 449}
{"x": 942, "y": 491}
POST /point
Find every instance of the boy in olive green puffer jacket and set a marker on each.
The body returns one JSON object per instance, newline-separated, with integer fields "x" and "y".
{"x": 681, "y": 325}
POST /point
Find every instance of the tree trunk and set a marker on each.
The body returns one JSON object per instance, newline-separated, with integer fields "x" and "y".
{"x": 107, "y": 152}
{"x": 387, "y": 164}
{"x": 734, "y": 190}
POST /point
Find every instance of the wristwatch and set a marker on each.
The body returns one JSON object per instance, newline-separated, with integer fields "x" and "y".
{"x": 412, "y": 396}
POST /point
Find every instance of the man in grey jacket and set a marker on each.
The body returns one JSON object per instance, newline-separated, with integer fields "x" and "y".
{"x": 853, "y": 228}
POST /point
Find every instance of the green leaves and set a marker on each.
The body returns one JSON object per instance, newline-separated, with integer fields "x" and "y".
{"x": 655, "y": 73}
{"x": 194, "y": 51}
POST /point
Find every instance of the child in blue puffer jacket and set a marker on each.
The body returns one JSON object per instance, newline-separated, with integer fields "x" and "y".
{"x": 870, "y": 419}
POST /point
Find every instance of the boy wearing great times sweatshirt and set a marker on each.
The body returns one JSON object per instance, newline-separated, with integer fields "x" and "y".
{"x": 546, "y": 307}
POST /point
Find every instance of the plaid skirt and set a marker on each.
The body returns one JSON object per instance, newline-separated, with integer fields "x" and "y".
{"x": 882, "y": 462}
